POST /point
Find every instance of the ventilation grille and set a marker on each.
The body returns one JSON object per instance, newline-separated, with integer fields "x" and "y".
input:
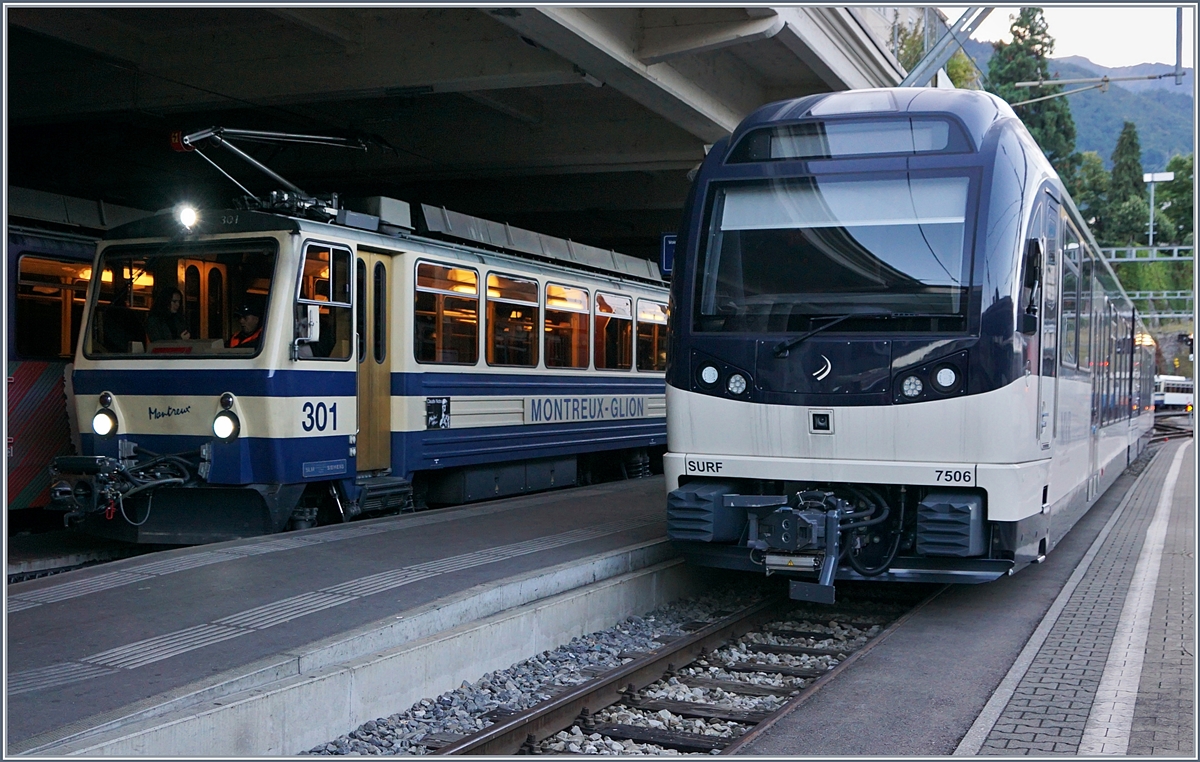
{"x": 950, "y": 525}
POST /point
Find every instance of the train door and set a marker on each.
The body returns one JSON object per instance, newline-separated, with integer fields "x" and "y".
{"x": 1048, "y": 342}
{"x": 1099, "y": 307}
{"x": 374, "y": 363}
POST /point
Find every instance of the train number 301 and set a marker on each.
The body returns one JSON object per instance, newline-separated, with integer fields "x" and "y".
{"x": 319, "y": 416}
{"x": 959, "y": 477}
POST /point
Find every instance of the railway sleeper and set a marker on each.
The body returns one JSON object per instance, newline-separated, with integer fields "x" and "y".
{"x": 768, "y": 648}
{"x": 688, "y": 742}
{"x": 739, "y": 687}
{"x": 774, "y": 669}
{"x": 703, "y": 711}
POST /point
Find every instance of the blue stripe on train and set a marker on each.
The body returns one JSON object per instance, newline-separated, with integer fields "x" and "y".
{"x": 251, "y": 460}
{"x": 342, "y": 383}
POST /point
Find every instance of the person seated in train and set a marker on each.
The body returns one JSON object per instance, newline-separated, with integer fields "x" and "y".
{"x": 250, "y": 321}
{"x": 166, "y": 321}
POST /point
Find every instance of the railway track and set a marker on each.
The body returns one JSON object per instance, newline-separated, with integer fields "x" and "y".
{"x": 1172, "y": 427}
{"x": 729, "y": 679}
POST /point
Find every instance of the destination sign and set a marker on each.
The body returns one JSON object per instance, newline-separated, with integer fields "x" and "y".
{"x": 584, "y": 408}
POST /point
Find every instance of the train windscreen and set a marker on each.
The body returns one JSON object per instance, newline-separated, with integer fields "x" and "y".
{"x": 190, "y": 301}
{"x": 780, "y": 254}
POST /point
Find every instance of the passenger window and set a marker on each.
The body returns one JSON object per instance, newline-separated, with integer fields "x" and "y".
{"x": 50, "y": 296}
{"x": 512, "y": 307}
{"x": 567, "y": 311}
{"x": 614, "y": 332}
{"x": 325, "y": 281}
{"x": 1085, "y": 310}
{"x": 446, "y": 324}
{"x": 651, "y": 336}
{"x": 1069, "y": 301}
{"x": 380, "y": 309}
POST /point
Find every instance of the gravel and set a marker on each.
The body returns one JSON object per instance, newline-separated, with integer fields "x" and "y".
{"x": 473, "y": 706}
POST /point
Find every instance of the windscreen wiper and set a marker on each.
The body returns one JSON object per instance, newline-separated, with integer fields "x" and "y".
{"x": 782, "y": 348}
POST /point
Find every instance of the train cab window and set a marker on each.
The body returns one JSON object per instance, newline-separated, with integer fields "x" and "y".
{"x": 446, "y": 323}
{"x": 512, "y": 311}
{"x": 50, "y": 297}
{"x": 566, "y": 326}
{"x": 179, "y": 301}
{"x": 651, "y": 336}
{"x": 325, "y": 282}
{"x": 614, "y": 332}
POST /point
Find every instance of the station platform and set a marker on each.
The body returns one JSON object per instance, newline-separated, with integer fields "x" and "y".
{"x": 1089, "y": 653}
{"x": 107, "y": 653}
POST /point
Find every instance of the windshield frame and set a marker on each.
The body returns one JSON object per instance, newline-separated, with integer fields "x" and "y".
{"x": 800, "y": 170}
{"x": 180, "y": 249}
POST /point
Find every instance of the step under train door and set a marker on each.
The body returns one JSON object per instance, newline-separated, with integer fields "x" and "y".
{"x": 374, "y": 441}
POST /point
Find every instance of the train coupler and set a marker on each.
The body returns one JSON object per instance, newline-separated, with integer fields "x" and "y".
{"x": 805, "y": 526}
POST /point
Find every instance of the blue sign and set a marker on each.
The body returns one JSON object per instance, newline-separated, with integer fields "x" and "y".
{"x": 666, "y": 258}
{"x": 319, "y": 468}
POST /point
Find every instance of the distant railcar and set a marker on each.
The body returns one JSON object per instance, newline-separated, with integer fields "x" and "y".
{"x": 896, "y": 352}
{"x": 48, "y": 273}
{"x": 1173, "y": 393}
{"x": 312, "y": 371}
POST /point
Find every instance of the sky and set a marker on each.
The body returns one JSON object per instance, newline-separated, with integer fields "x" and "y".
{"x": 1109, "y": 35}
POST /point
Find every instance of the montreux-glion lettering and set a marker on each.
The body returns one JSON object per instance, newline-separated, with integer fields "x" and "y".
{"x": 590, "y": 408}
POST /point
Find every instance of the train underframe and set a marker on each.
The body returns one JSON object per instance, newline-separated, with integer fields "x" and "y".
{"x": 817, "y": 532}
{"x": 152, "y": 498}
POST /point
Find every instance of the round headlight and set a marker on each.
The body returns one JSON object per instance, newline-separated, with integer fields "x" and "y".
{"x": 226, "y": 400}
{"x": 106, "y": 399}
{"x": 912, "y": 386}
{"x": 737, "y": 383}
{"x": 188, "y": 216}
{"x": 104, "y": 423}
{"x": 226, "y": 425}
{"x": 945, "y": 379}
{"x": 709, "y": 374}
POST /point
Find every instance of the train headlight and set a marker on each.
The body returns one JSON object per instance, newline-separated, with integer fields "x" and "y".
{"x": 945, "y": 379}
{"x": 104, "y": 423}
{"x": 709, "y": 375}
{"x": 188, "y": 216}
{"x": 737, "y": 384}
{"x": 226, "y": 425}
{"x": 911, "y": 387}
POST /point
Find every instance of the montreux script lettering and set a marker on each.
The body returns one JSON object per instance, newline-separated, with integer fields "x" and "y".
{"x": 155, "y": 413}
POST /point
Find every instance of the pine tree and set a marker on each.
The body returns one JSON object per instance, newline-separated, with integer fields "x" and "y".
{"x": 1090, "y": 191}
{"x": 1025, "y": 60}
{"x": 1127, "y": 173}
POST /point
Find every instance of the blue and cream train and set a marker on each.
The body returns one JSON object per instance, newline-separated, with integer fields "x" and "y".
{"x": 896, "y": 352}
{"x": 312, "y": 371}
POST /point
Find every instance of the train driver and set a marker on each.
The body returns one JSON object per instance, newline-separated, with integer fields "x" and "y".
{"x": 250, "y": 321}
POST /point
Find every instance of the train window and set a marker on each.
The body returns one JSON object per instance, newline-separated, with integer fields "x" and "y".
{"x": 446, "y": 323}
{"x": 614, "y": 332}
{"x": 360, "y": 327}
{"x": 566, "y": 326}
{"x": 379, "y": 322}
{"x": 651, "y": 336}
{"x": 512, "y": 307}
{"x": 1084, "y": 354}
{"x": 783, "y": 255}
{"x": 325, "y": 281}
{"x": 846, "y": 138}
{"x": 1070, "y": 317}
{"x": 50, "y": 296}
{"x": 135, "y": 310}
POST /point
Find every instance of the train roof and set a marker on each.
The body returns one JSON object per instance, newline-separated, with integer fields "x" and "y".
{"x": 977, "y": 110}
{"x": 392, "y": 221}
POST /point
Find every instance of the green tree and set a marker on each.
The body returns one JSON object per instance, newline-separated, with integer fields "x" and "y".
{"x": 1177, "y": 198}
{"x": 1025, "y": 60}
{"x": 1127, "y": 173}
{"x": 1090, "y": 191}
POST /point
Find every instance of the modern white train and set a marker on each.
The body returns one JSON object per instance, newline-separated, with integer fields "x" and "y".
{"x": 244, "y": 371}
{"x": 895, "y": 352}
{"x": 1173, "y": 393}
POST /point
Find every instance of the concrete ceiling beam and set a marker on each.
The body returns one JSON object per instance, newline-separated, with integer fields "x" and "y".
{"x": 329, "y": 23}
{"x": 603, "y": 44}
{"x": 85, "y": 28}
{"x": 838, "y": 48}
{"x": 664, "y": 43}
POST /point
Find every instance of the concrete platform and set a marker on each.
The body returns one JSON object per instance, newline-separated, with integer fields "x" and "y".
{"x": 1091, "y": 652}
{"x": 266, "y": 642}
{"x": 27, "y": 553}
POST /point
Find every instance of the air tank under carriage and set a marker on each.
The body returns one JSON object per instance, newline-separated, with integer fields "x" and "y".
{"x": 895, "y": 351}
